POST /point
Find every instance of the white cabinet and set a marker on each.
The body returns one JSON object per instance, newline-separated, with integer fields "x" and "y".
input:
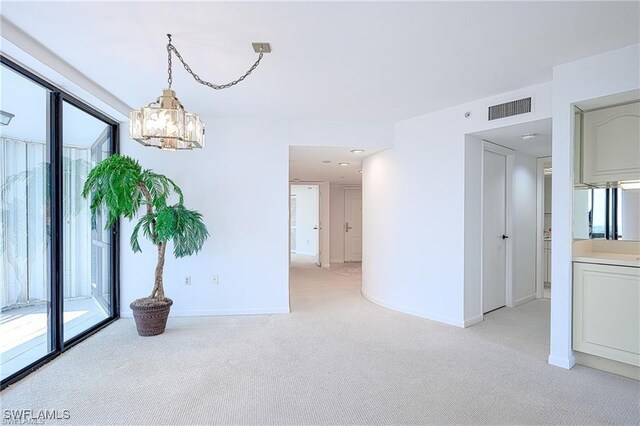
{"x": 611, "y": 144}
{"x": 606, "y": 311}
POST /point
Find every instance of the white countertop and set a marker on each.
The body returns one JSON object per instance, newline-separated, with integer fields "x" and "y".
{"x": 607, "y": 252}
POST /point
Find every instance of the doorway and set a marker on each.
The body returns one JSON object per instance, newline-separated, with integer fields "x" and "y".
{"x": 543, "y": 284}
{"x": 504, "y": 217}
{"x": 305, "y": 223}
{"x": 496, "y": 245}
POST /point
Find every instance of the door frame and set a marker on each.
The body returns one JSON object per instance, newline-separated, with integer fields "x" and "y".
{"x": 541, "y": 163}
{"x": 323, "y": 222}
{"x": 509, "y": 155}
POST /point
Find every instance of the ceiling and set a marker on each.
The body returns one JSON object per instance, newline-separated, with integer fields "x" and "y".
{"x": 28, "y": 103}
{"x": 511, "y": 137}
{"x": 357, "y": 61}
{"x": 306, "y": 164}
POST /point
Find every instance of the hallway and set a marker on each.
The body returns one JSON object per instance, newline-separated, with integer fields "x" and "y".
{"x": 336, "y": 359}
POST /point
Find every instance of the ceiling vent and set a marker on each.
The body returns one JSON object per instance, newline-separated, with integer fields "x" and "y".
{"x": 521, "y": 106}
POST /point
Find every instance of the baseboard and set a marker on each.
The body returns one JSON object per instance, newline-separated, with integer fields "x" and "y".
{"x": 562, "y": 362}
{"x": 303, "y": 253}
{"x": 413, "y": 312}
{"x": 214, "y": 312}
{"x": 608, "y": 365}
{"x": 336, "y": 261}
{"x": 524, "y": 300}
{"x": 473, "y": 320}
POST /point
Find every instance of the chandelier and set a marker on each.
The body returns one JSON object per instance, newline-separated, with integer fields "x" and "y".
{"x": 165, "y": 124}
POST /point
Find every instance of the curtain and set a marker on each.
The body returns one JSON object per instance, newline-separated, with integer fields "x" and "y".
{"x": 24, "y": 221}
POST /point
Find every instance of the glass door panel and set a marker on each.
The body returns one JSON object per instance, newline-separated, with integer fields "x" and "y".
{"x": 25, "y": 302}
{"x": 86, "y": 248}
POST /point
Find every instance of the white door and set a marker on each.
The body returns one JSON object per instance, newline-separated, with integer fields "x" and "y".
{"x": 305, "y": 221}
{"x": 494, "y": 254}
{"x": 353, "y": 225}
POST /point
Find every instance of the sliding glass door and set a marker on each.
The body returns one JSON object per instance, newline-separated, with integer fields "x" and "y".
{"x": 58, "y": 267}
{"x": 86, "y": 249}
{"x": 25, "y": 291}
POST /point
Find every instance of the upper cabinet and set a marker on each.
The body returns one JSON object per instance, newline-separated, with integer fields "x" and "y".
{"x": 611, "y": 144}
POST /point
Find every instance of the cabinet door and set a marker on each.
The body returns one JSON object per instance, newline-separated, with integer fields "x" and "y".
{"x": 611, "y": 150}
{"x": 606, "y": 318}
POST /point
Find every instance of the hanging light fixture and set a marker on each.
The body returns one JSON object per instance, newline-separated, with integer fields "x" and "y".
{"x": 165, "y": 124}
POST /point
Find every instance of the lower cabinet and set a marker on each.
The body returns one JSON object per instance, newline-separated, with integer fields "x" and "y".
{"x": 606, "y": 311}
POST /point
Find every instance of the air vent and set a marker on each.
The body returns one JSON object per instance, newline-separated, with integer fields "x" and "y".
{"x": 521, "y": 106}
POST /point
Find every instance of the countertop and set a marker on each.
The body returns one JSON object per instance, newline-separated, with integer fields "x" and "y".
{"x": 607, "y": 252}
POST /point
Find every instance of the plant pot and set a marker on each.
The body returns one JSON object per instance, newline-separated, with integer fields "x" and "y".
{"x": 151, "y": 318}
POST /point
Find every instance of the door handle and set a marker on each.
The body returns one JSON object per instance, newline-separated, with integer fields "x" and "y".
{"x": 347, "y": 227}
{"x": 315, "y": 227}
{"x": 504, "y": 237}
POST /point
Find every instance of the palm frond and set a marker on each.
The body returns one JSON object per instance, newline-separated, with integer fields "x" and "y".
{"x": 184, "y": 227}
{"x": 114, "y": 183}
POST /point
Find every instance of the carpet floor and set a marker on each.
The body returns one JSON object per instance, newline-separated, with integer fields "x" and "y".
{"x": 336, "y": 359}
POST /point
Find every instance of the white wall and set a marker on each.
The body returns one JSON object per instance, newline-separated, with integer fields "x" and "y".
{"x": 473, "y": 165}
{"x": 524, "y": 229}
{"x": 307, "y": 217}
{"x": 613, "y": 72}
{"x": 240, "y": 183}
{"x": 417, "y": 190}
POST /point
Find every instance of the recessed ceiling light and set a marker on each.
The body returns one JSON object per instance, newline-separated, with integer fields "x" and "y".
{"x": 357, "y": 151}
{"x": 326, "y": 161}
{"x": 528, "y": 136}
{"x": 343, "y": 164}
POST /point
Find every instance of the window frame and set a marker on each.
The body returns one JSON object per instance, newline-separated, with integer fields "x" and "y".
{"x": 57, "y": 346}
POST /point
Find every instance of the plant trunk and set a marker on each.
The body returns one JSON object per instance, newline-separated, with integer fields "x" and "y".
{"x": 158, "y": 287}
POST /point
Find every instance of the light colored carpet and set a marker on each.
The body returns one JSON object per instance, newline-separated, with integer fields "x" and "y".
{"x": 336, "y": 359}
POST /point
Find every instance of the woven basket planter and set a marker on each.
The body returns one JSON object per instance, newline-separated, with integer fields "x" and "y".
{"x": 151, "y": 320}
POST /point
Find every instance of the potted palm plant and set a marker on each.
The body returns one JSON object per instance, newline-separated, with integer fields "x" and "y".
{"x": 120, "y": 187}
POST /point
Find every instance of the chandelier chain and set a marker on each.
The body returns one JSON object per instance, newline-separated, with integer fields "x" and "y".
{"x": 171, "y": 48}
{"x": 170, "y": 79}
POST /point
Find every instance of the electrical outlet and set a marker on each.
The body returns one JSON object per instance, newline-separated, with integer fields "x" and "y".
{"x": 187, "y": 280}
{"x": 215, "y": 280}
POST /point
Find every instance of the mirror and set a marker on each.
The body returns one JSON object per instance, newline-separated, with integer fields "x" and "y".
{"x": 606, "y": 213}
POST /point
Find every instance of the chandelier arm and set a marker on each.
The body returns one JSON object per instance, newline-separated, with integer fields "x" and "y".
{"x": 196, "y": 77}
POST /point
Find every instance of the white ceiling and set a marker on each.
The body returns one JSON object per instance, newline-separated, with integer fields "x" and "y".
{"x": 305, "y": 164}
{"x": 379, "y": 61}
{"x": 511, "y": 137}
{"x": 28, "y": 103}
